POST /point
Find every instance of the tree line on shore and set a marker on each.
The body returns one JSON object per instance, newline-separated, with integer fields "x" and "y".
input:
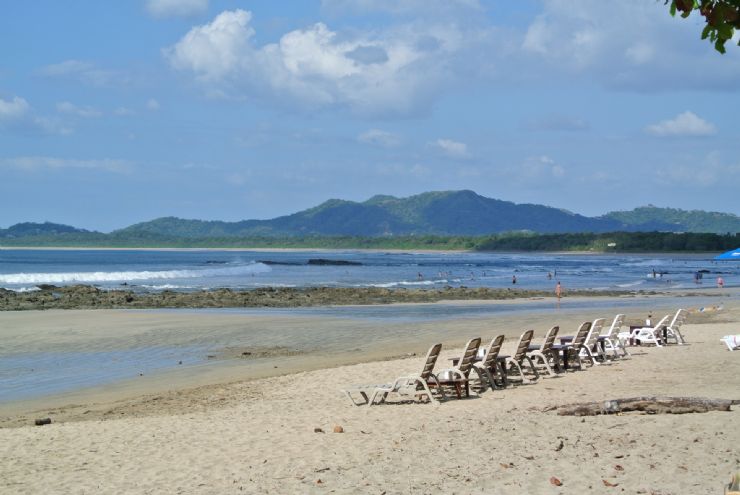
{"x": 512, "y": 241}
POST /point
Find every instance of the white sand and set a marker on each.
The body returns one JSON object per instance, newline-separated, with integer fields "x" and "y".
{"x": 258, "y": 436}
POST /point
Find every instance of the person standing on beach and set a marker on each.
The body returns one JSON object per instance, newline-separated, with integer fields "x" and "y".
{"x": 558, "y": 290}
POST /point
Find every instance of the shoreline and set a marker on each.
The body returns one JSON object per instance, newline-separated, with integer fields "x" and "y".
{"x": 269, "y": 350}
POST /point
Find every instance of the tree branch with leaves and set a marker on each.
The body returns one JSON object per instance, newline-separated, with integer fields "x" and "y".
{"x": 722, "y": 18}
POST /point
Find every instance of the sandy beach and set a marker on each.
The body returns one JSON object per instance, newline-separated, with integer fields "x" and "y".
{"x": 230, "y": 431}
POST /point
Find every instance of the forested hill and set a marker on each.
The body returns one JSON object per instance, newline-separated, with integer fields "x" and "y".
{"x": 449, "y": 213}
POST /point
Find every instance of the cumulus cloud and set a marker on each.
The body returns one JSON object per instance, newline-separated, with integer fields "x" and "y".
{"x": 36, "y": 163}
{"x": 452, "y": 148}
{"x": 538, "y": 169}
{"x": 683, "y": 124}
{"x": 83, "y": 111}
{"x": 176, "y": 8}
{"x": 152, "y": 104}
{"x": 394, "y": 72}
{"x": 378, "y": 137}
{"x": 710, "y": 171}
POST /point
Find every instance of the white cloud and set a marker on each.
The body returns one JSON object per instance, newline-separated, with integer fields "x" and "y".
{"x": 631, "y": 44}
{"x": 35, "y": 163}
{"x": 684, "y": 124}
{"x": 152, "y": 104}
{"x": 72, "y": 109}
{"x": 401, "y": 7}
{"x": 13, "y": 110}
{"x": 86, "y": 73}
{"x": 711, "y": 171}
{"x": 123, "y": 112}
{"x": 393, "y": 72}
{"x": 537, "y": 169}
{"x": 452, "y": 148}
{"x": 176, "y": 8}
{"x": 17, "y": 115}
{"x": 378, "y": 137}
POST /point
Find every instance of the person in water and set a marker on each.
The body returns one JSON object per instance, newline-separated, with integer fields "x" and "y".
{"x": 558, "y": 289}
{"x": 513, "y": 279}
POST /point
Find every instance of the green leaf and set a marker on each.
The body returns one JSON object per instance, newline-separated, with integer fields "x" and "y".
{"x": 706, "y": 31}
{"x": 673, "y": 8}
{"x": 725, "y": 31}
{"x": 720, "y": 46}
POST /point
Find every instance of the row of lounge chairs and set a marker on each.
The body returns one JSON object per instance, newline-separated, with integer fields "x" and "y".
{"x": 590, "y": 345}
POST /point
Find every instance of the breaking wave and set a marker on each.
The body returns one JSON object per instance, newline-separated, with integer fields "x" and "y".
{"x": 98, "y": 277}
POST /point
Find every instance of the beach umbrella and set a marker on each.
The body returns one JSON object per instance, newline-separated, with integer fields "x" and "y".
{"x": 729, "y": 255}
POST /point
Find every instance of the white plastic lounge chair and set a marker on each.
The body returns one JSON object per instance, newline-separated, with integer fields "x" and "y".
{"x": 651, "y": 335}
{"x": 514, "y": 363}
{"x": 410, "y": 385}
{"x": 673, "y": 328}
{"x": 571, "y": 351}
{"x": 490, "y": 367}
{"x": 457, "y": 376}
{"x": 542, "y": 355}
{"x": 732, "y": 342}
{"x": 609, "y": 341}
{"x": 590, "y": 348}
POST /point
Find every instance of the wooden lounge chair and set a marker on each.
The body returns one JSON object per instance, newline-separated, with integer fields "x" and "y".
{"x": 609, "y": 341}
{"x": 512, "y": 364}
{"x": 570, "y": 348}
{"x": 490, "y": 367}
{"x": 542, "y": 355}
{"x": 457, "y": 375}
{"x": 415, "y": 386}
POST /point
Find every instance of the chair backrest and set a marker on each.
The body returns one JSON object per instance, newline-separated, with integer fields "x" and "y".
{"x": 678, "y": 319}
{"x": 663, "y": 321}
{"x": 468, "y": 357}
{"x": 493, "y": 350}
{"x": 523, "y": 345}
{"x": 616, "y": 325}
{"x": 581, "y": 335}
{"x": 596, "y": 327}
{"x": 549, "y": 339}
{"x": 431, "y": 360}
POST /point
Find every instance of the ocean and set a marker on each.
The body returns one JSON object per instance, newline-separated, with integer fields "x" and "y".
{"x": 189, "y": 270}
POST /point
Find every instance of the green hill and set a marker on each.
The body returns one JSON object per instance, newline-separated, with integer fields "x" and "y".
{"x": 652, "y": 218}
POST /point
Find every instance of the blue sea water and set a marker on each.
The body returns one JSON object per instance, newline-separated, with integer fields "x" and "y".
{"x": 23, "y": 270}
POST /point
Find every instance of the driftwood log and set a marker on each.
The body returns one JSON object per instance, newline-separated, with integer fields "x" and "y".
{"x": 648, "y": 405}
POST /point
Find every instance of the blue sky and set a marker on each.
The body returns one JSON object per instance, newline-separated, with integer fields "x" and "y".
{"x": 113, "y": 113}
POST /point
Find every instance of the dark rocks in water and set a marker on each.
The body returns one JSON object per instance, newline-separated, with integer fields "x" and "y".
{"x": 47, "y": 287}
{"x": 282, "y": 263}
{"x": 323, "y": 261}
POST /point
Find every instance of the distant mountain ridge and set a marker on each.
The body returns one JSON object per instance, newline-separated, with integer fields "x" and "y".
{"x": 457, "y": 213}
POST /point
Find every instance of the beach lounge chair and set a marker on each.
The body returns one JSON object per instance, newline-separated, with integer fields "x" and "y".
{"x": 609, "y": 341}
{"x": 489, "y": 366}
{"x": 514, "y": 363}
{"x": 732, "y": 342}
{"x": 673, "y": 329}
{"x": 650, "y": 335}
{"x": 543, "y": 354}
{"x": 457, "y": 375}
{"x": 570, "y": 348}
{"x": 410, "y": 385}
{"x": 591, "y": 348}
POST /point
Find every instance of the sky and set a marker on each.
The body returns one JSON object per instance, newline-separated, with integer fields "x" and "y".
{"x": 113, "y": 113}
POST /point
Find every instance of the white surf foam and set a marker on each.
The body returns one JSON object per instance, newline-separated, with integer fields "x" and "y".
{"x": 98, "y": 277}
